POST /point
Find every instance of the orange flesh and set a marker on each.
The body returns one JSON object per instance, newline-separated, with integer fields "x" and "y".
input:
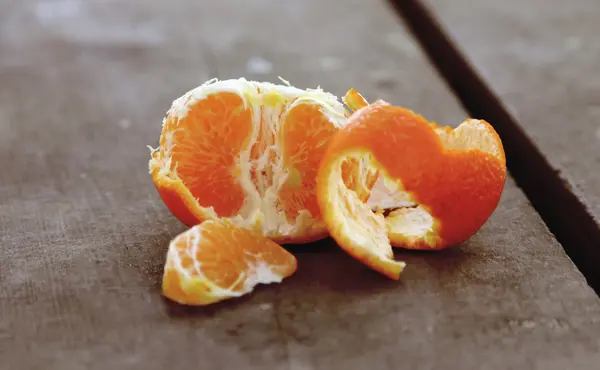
{"x": 304, "y": 135}
{"x": 204, "y": 145}
{"x": 224, "y": 257}
{"x": 225, "y": 253}
{"x": 247, "y": 152}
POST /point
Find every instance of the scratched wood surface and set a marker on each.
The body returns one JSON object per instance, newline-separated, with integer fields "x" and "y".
{"x": 84, "y": 86}
{"x": 542, "y": 61}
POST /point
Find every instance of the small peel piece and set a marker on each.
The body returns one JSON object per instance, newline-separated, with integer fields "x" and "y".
{"x": 354, "y": 100}
{"x": 217, "y": 260}
{"x": 437, "y": 185}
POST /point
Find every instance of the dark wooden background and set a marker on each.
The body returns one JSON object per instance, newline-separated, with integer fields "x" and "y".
{"x": 84, "y": 86}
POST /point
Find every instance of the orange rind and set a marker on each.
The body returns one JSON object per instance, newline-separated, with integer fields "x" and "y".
{"x": 216, "y": 261}
{"x": 247, "y": 152}
{"x": 434, "y": 186}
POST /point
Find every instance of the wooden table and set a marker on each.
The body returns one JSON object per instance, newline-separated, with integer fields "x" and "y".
{"x": 83, "y": 89}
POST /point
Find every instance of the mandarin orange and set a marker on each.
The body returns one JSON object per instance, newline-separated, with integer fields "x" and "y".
{"x": 247, "y": 152}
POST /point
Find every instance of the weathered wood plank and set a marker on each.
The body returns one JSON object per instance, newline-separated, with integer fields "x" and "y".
{"x": 542, "y": 61}
{"x": 84, "y": 233}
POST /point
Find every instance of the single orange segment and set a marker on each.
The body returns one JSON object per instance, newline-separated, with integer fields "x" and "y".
{"x": 435, "y": 186}
{"x": 217, "y": 260}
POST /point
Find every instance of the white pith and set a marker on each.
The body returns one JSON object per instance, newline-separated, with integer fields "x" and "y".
{"x": 364, "y": 222}
{"x": 353, "y": 217}
{"x": 260, "y": 211}
{"x": 471, "y": 134}
{"x": 407, "y": 222}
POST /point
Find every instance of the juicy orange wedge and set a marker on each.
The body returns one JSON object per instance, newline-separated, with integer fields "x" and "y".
{"x": 247, "y": 152}
{"x": 217, "y": 260}
{"x": 434, "y": 188}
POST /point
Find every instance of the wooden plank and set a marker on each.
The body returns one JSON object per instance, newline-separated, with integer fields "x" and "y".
{"x": 542, "y": 62}
{"x": 85, "y": 85}
{"x": 562, "y": 207}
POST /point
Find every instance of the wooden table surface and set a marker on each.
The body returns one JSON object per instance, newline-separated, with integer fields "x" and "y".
{"x": 543, "y": 63}
{"x": 83, "y": 89}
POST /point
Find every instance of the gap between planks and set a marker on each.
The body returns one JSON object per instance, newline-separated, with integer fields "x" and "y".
{"x": 562, "y": 211}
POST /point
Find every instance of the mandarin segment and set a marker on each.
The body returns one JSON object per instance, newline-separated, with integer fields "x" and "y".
{"x": 217, "y": 260}
{"x": 439, "y": 185}
{"x": 204, "y": 147}
{"x": 304, "y": 135}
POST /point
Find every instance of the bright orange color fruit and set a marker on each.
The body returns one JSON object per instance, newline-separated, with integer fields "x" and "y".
{"x": 435, "y": 186}
{"x": 217, "y": 260}
{"x": 247, "y": 152}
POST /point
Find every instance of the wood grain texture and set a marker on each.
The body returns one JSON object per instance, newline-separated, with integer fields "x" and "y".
{"x": 542, "y": 61}
{"x": 84, "y": 234}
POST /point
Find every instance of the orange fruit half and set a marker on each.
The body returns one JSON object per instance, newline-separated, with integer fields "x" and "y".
{"x": 217, "y": 260}
{"x": 247, "y": 152}
{"x": 434, "y": 186}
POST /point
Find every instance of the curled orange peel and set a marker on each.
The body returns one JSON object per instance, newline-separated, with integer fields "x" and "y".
{"x": 413, "y": 184}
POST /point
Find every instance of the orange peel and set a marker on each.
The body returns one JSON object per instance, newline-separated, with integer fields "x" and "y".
{"x": 435, "y": 186}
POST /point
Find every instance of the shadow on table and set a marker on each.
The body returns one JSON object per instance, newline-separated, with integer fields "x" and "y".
{"x": 325, "y": 271}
